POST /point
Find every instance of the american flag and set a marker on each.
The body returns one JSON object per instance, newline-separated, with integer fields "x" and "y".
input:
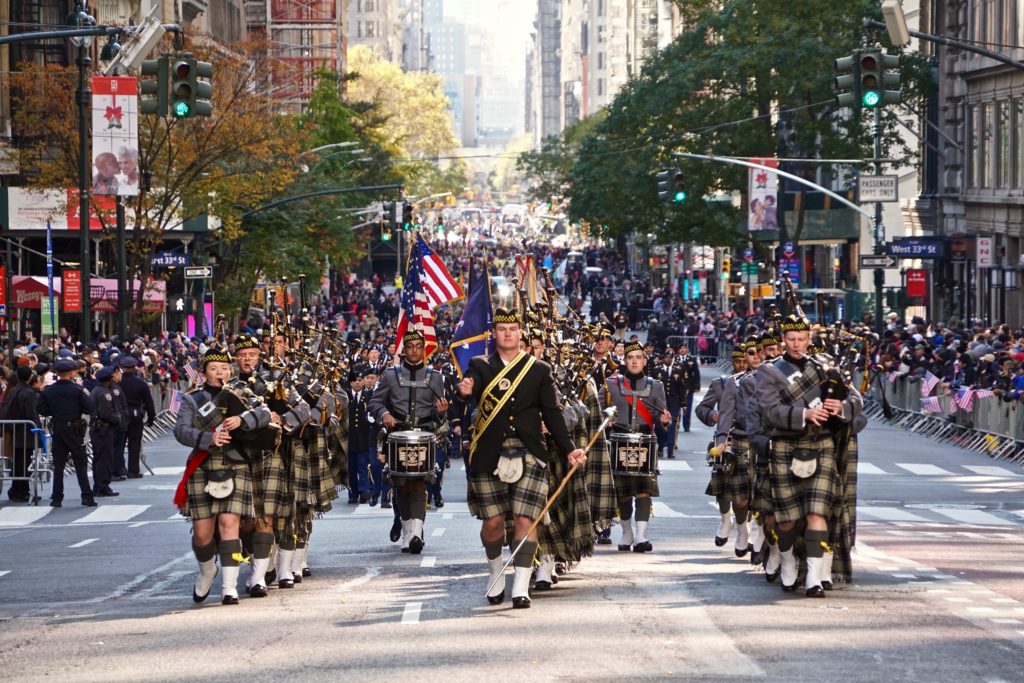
{"x": 428, "y": 284}
{"x": 891, "y": 377}
{"x": 175, "y": 405}
{"x": 964, "y": 399}
{"x": 928, "y": 383}
{"x": 983, "y": 393}
{"x": 931, "y": 404}
{"x": 192, "y": 372}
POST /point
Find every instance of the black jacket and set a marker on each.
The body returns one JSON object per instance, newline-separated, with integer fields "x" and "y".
{"x": 534, "y": 399}
{"x": 137, "y": 396}
{"x": 21, "y": 405}
{"x": 359, "y": 427}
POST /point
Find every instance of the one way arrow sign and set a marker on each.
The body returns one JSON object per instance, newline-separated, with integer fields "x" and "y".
{"x": 878, "y": 262}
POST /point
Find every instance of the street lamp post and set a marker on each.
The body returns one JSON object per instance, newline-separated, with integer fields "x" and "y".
{"x": 80, "y": 18}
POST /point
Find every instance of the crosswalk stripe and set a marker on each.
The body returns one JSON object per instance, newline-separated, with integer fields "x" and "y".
{"x": 84, "y": 543}
{"x": 924, "y": 469}
{"x": 979, "y": 517}
{"x": 17, "y": 516}
{"x": 868, "y": 468}
{"x": 5, "y": 572}
{"x": 112, "y": 513}
{"x": 168, "y": 470}
{"x": 411, "y": 613}
{"x": 662, "y": 510}
{"x": 889, "y": 514}
{"x": 992, "y": 471}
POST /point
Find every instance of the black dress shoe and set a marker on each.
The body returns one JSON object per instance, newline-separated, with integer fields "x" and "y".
{"x": 270, "y": 577}
{"x": 744, "y": 551}
{"x": 521, "y": 602}
{"x": 56, "y": 504}
{"x": 374, "y": 500}
{"x": 286, "y": 583}
{"x": 416, "y": 545}
{"x": 353, "y": 501}
{"x": 625, "y": 547}
{"x": 396, "y": 530}
{"x": 229, "y": 600}
{"x": 541, "y": 585}
{"x": 364, "y": 497}
{"x": 671, "y": 456}
{"x": 405, "y": 550}
{"x": 138, "y": 475}
{"x": 306, "y": 572}
{"x": 788, "y": 589}
{"x": 720, "y": 541}
{"x": 119, "y": 477}
{"x": 827, "y": 585}
{"x": 108, "y": 493}
{"x": 815, "y": 592}
{"x": 89, "y": 502}
{"x": 771, "y": 577}
{"x": 16, "y": 498}
{"x": 644, "y": 547}
{"x": 386, "y": 505}
{"x": 257, "y": 591}
{"x": 603, "y": 541}
{"x": 438, "y": 501}
{"x": 496, "y": 599}
{"x": 297, "y": 578}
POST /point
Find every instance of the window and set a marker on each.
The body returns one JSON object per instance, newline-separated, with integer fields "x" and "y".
{"x": 600, "y": 33}
{"x": 600, "y": 60}
{"x": 1003, "y": 155}
{"x": 600, "y": 8}
{"x": 368, "y": 5}
{"x": 600, "y": 86}
{"x": 369, "y": 29}
{"x": 987, "y": 155}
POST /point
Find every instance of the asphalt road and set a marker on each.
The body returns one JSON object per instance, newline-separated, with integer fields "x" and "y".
{"x": 104, "y": 594}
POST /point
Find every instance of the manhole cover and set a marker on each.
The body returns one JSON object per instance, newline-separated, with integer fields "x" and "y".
{"x": 944, "y": 506}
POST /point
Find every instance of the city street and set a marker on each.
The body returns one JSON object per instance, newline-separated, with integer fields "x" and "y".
{"x": 105, "y": 593}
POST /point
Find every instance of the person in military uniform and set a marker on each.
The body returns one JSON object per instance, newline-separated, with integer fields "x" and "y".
{"x": 640, "y": 404}
{"x": 450, "y": 448}
{"x": 103, "y": 426}
{"x": 140, "y": 410}
{"x": 602, "y": 368}
{"x": 797, "y": 409}
{"x": 66, "y": 401}
{"x": 707, "y": 412}
{"x": 216, "y": 491}
{"x": 690, "y": 369}
{"x": 360, "y": 486}
{"x": 762, "y": 533}
{"x": 671, "y": 377}
{"x": 410, "y": 396}
{"x": 515, "y": 392}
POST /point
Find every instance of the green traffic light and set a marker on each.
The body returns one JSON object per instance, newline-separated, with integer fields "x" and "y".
{"x": 870, "y": 98}
{"x": 181, "y": 109}
{"x": 680, "y": 196}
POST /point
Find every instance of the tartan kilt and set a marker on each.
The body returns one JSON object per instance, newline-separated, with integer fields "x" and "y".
{"x": 794, "y": 498}
{"x": 201, "y": 505}
{"x": 599, "y": 479}
{"x": 736, "y": 486}
{"x": 761, "y": 499}
{"x": 302, "y": 473}
{"x": 272, "y": 484}
{"x": 490, "y": 497}
{"x": 628, "y": 486}
{"x": 567, "y": 533}
{"x": 327, "y": 490}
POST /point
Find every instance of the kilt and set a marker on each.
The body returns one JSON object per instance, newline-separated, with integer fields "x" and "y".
{"x": 201, "y": 505}
{"x": 567, "y": 533}
{"x": 795, "y": 498}
{"x": 761, "y": 499}
{"x": 302, "y": 474}
{"x": 628, "y": 487}
{"x": 600, "y": 482}
{"x": 272, "y": 484}
{"x": 490, "y": 497}
{"x": 736, "y": 486}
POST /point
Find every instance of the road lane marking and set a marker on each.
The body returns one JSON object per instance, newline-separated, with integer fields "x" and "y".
{"x": 429, "y": 561}
{"x": 5, "y": 572}
{"x": 168, "y": 471}
{"x": 976, "y": 517}
{"x": 112, "y": 513}
{"x": 674, "y": 466}
{"x": 84, "y": 543}
{"x": 889, "y": 514}
{"x": 447, "y": 515}
{"x": 411, "y": 613}
{"x": 14, "y": 516}
{"x": 359, "y": 581}
{"x": 662, "y": 510}
{"x": 957, "y": 599}
{"x": 439, "y": 531}
{"x": 924, "y": 470}
{"x": 1006, "y": 621}
{"x": 992, "y": 471}
{"x": 136, "y": 525}
{"x": 868, "y": 468}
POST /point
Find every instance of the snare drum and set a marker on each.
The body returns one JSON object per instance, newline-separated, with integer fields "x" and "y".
{"x": 634, "y": 455}
{"x": 411, "y": 453}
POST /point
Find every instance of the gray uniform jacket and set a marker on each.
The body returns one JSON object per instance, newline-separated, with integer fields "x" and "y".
{"x": 199, "y": 439}
{"x": 756, "y": 433}
{"x": 731, "y": 409}
{"x": 787, "y": 419}
{"x": 397, "y": 386}
{"x": 707, "y": 408}
{"x": 649, "y": 392}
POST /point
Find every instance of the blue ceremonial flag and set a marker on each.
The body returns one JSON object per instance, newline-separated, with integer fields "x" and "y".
{"x": 472, "y": 336}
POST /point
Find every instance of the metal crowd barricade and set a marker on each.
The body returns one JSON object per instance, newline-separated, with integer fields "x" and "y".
{"x": 713, "y": 353}
{"x": 163, "y": 396}
{"x": 38, "y": 466}
{"x": 992, "y": 426}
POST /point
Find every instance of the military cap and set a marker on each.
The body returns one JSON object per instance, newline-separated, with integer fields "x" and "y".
{"x": 246, "y": 341}
{"x": 633, "y": 346}
{"x": 502, "y": 315}
{"x": 792, "y": 323}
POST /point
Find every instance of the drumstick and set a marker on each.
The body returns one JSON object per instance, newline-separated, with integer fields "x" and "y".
{"x": 609, "y": 416}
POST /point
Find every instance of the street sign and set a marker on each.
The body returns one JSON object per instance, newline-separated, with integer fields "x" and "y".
{"x": 198, "y": 272}
{"x": 168, "y": 259}
{"x": 879, "y": 188}
{"x": 916, "y": 247}
{"x": 878, "y": 262}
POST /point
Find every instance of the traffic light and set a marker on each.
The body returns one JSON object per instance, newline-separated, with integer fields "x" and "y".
{"x": 203, "y": 89}
{"x": 665, "y": 184}
{"x": 847, "y": 81}
{"x": 183, "y": 88}
{"x": 385, "y": 235}
{"x": 153, "y": 89}
{"x": 407, "y": 215}
{"x": 678, "y": 189}
{"x": 870, "y": 76}
{"x": 726, "y": 267}
{"x": 395, "y": 214}
{"x": 891, "y": 93}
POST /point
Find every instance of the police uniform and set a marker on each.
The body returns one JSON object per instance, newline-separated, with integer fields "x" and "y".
{"x": 140, "y": 409}
{"x": 803, "y": 467}
{"x": 66, "y": 402}
{"x": 671, "y": 376}
{"x": 409, "y": 393}
{"x": 121, "y": 434}
{"x": 639, "y": 402}
{"x": 103, "y": 425}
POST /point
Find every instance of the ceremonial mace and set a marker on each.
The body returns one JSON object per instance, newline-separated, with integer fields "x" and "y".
{"x": 609, "y": 415}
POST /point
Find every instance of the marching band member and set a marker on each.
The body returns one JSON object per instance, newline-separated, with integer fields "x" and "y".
{"x": 507, "y": 457}
{"x": 410, "y": 396}
{"x": 216, "y": 491}
{"x": 639, "y": 400}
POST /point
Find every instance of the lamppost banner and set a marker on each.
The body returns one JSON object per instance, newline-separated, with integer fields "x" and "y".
{"x": 764, "y": 190}
{"x": 115, "y": 136}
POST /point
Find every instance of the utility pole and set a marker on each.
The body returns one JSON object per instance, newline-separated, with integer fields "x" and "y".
{"x": 879, "y": 229}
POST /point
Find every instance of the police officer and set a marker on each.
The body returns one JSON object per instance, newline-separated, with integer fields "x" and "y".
{"x": 65, "y": 401}
{"x": 140, "y": 406}
{"x": 118, "y": 468}
{"x": 103, "y": 425}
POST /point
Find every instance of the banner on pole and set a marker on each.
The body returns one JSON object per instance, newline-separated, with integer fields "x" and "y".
{"x": 115, "y": 136}
{"x": 72, "y": 291}
{"x": 50, "y": 319}
{"x": 764, "y": 190}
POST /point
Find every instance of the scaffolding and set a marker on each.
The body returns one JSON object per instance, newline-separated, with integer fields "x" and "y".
{"x": 304, "y": 36}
